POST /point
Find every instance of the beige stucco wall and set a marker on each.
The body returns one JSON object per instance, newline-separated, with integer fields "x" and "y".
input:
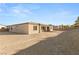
{"x": 51, "y": 28}
{"x": 39, "y": 30}
{"x": 30, "y": 29}
{"x": 23, "y": 28}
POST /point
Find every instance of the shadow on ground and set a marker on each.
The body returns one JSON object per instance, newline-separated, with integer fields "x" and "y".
{"x": 67, "y": 43}
{"x": 11, "y": 33}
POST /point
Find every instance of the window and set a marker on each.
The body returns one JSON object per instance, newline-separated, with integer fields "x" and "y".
{"x": 34, "y": 27}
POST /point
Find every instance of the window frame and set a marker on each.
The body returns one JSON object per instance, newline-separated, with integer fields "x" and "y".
{"x": 34, "y": 27}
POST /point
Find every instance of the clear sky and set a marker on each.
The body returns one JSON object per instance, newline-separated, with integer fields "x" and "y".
{"x": 41, "y": 13}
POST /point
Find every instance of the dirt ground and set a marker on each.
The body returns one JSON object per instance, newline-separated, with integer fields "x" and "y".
{"x": 12, "y": 43}
{"x": 66, "y": 43}
{"x": 47, "y": 43}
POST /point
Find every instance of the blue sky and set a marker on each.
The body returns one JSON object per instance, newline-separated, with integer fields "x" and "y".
{"x": 56, "y": 14}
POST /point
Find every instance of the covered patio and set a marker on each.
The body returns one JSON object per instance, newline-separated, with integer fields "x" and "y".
{"x": 46, "y": 28}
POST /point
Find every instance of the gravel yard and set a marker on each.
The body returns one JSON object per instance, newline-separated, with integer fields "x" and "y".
{"x": 12, "y": 43}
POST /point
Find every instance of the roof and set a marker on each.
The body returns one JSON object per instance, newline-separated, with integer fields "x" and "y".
{"x": 30, "y": 23}
{"x": 2, "y": 25}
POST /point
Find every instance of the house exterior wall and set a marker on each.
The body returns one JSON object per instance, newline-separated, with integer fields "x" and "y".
{"x": 51, "y": 28}
{"x": 55, "y": 27}
{"x": 19, "y": 28}
{"x": 28, "y": 28}
{"x": 31, "y": 30}
{"x": 47, "y": 28}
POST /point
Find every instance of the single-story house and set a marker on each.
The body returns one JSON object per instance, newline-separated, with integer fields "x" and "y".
{"x": 57, "y": 27}
{"x": 2, "y": 26}
{"x": 30, "y": 28}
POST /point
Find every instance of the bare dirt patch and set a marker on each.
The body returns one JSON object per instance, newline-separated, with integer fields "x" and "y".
{"x": 11, "y": 43}
{"x": 66, "y": 43}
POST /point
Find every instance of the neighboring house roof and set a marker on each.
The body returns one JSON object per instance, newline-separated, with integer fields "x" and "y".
{"x": 2, "y": 26}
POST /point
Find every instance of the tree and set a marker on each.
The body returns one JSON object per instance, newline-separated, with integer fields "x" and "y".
{"x": 77, "y": 23}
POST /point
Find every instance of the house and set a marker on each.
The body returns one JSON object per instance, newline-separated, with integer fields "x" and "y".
{"x": 55, "y": 27}
{"x": 2, "y": 26}
{"x": 30, "y": 28}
